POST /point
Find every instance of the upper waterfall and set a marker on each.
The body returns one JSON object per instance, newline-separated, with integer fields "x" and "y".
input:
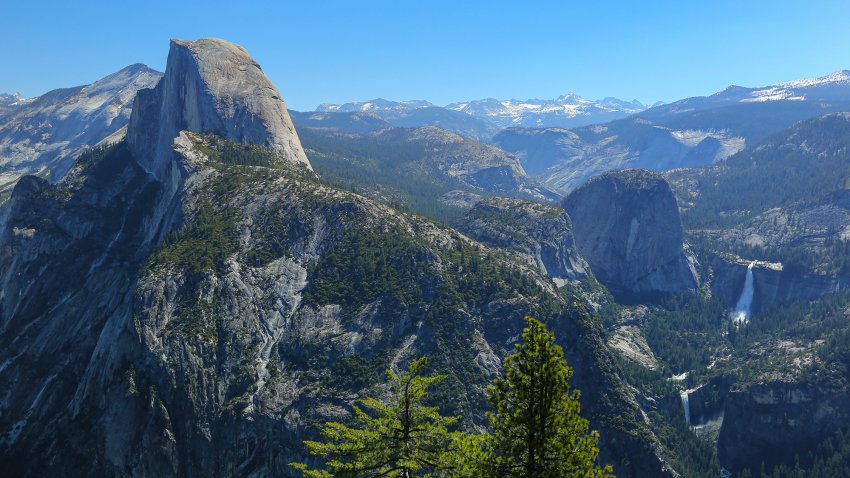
{"x": 741, "y": 314}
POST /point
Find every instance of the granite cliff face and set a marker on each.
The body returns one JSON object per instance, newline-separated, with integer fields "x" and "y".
{"x": 540, "y": 234}
{"x": 210, "y": 86}
{"x": 69, "y": 255}
{"x": 191, "y": 304}
{"x": 44, "y": 135}
{"x": 626, "y": 224}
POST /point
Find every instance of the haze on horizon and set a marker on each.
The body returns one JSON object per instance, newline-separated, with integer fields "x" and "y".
{"x": 443, "y": 51}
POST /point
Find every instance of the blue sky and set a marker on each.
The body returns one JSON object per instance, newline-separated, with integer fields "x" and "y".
{"x": 442, "y": 51}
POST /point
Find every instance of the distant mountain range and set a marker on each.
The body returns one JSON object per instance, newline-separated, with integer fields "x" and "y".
{"x": 565, "y": 111}
{"x": 690, "y": 132}
{"x": 379, "y": 106}
{"x": 413, "y": 114}
{"x": 831, "y": 87}
{"x": 572, "y": 111}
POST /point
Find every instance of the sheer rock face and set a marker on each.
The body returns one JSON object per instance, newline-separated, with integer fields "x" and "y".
{"x": 626, "y": 224}
{"x": 210, "y": 85}
{"x": 541, "y": 235}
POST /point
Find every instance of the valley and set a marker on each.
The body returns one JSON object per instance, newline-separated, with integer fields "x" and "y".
{"x": 196, "y": 280}
{"x": 752, "y": 326}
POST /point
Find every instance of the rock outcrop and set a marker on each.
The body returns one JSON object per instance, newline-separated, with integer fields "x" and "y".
{"x": 540, "y": 234}
{"x": 210, "y": 86}
{"x": 626, "y": 224}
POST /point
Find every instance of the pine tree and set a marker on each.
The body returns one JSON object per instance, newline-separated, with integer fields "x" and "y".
{"x": 537, "y": 429}
{"x": 470, "y": 456}
{"x": 399, "y": 438}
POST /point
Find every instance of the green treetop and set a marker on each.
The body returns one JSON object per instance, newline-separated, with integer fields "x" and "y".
{"x": 399, "y": 438}
{"x": 537, "y": 429}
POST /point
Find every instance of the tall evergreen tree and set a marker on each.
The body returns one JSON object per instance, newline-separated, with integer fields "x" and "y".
{"x": 537, "y": 429}
{"x": 399, "y": 438}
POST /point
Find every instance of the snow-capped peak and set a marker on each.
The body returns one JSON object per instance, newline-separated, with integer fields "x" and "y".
{"x": 327, "y": 107}
{"x": 570, "y": 98}
{"x": 568, "y": 110}
{"x": 375, "y": 105}
{"x": 13, "y": 99}
{"x": 842, "y": 76}
{"x": 795, "y": 90}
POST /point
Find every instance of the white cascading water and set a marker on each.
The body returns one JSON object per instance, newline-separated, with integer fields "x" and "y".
{"x": 686, "y": 406}
{"x": 741, "y": 315}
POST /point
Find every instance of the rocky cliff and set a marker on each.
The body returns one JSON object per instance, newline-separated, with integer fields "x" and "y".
{"x": 210, "y": 86}
{"x": 771, "y": 422}
{"x": 626, "y": 224}
{"x": 540, "y": 234}
{"x": 772, "y": 283}
{"x": 200, "y": 320}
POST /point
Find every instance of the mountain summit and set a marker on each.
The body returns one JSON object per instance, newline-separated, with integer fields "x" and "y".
{"x": 831, "y": 88}
{"x": 44, "y": 135}
{"x": 211, "y": 85}
{"x": 11, "y": 98}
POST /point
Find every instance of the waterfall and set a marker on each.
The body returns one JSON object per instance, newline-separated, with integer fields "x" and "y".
{"x": 741, "y": 315}
{"x": 686, "y": 406}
